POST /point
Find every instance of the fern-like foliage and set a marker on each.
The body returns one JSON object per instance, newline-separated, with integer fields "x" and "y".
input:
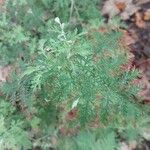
{"x": 68, "y": 76}
{"x": 12, "y": 134}
{"x": 64, "y": 72}
{"x": 90, "y": 141}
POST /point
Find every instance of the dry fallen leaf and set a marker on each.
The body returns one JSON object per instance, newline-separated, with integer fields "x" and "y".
{"x": 139, "y": 20}
{"x": 140, "y": 2}
{"x": 126, "y": 8}
{"x": 120, "y": 6}
{"x": 147, "y": 15}
{"x": 1, "y": 2}
{"x": 54, "y": 140}
{"x": 110, "y": 8}
{"x": 4, "y": 73}
{"x": 103, "y": 29}
{"x": 72, "y": 114}
{"x": 124, "y": 146}
{"x": 127, "y": 39}
{"x": 66, "y": 131}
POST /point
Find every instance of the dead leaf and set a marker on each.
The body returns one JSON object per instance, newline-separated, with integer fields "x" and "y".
{"x": 1, "y": 2}
{"x": 72, "y": 114}
{"x": 126, "y": 8}
{"x": 109, "y": 8}
{"x": 102, "y": 29}
{"x": 147, "y": 15}
{"x": 66, "y": 131}
{"x": 4, "y": 73}
{"x": 140, "y": 2}
{"x": 54, "y": 140}
{"x": 120, "y": 6}
{"x": 63, "y": 130}
{"x": 139, "y": 20}
{"x": 127, "y": 38}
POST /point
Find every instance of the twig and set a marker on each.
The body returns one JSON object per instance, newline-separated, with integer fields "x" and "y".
{"x": 71, "y": 9}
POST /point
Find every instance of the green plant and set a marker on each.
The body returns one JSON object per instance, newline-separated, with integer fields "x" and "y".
{"x": 12, "y": 133}
{"x": 67, "y": 77}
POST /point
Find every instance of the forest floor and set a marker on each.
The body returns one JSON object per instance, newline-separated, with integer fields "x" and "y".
{"x": 136, "y": 14}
